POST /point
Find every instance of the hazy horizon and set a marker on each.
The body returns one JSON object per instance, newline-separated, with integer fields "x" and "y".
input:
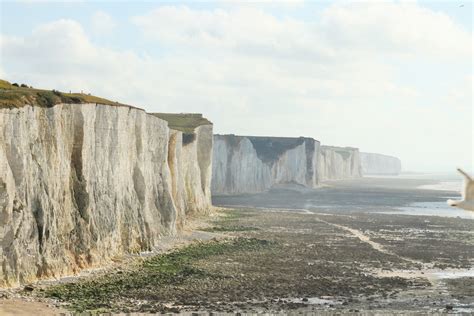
{"x": 394, "y": 78}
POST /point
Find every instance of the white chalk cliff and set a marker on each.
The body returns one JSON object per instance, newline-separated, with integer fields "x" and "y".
{"x": 378, "y": 164}
{"x": 248, "y": 164}
{"x": 81, "y": 183}
{"x": 336, "y": 163}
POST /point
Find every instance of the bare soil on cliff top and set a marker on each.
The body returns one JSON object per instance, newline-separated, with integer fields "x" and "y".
{"x": 337, "y": 259}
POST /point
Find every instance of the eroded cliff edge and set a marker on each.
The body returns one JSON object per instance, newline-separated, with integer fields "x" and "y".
{"x": 81, "y": 183}
{"x": 249, "y": 164}
{"x": 378, "y": 164}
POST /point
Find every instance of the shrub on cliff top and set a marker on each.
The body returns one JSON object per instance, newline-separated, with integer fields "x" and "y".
{"x": 47, "y": 99}
{"x": 184, "y": 122}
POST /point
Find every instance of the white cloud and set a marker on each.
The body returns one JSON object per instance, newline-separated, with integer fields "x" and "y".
{"x": 460, "y": 94}
{"x": 102, "y": 23}
{"x": 397, "y": 28}
{"x": 244, "y": 30}
{"x": 355, "y": 28}
{"x": 62, "y": 42}
{"x": 59, "y": 54}
{"x": 339, "y": 79}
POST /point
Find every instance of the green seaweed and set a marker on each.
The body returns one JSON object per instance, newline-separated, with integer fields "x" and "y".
{"x": 101, "y": 294}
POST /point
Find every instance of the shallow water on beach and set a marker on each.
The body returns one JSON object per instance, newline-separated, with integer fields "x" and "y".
{"x": 455, "y": 186}
{"x": 454, "y": 274}
{"x": 432, "y": 209}
{"x": 430, "y": 273}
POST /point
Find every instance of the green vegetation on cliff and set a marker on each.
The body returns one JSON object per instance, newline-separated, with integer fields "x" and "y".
{"x": 184, "y": 122}
{"x": 14, "y": 96}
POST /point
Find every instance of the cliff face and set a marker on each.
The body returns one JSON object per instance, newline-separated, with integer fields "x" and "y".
{"x": 190, "y": 165}
{"x": 336, "y": 163}
{"x": 80, "y": 183}
{"x": 190, "y": 159}
{"x": 247, "y": 164}
{"x": 380, "y": 164}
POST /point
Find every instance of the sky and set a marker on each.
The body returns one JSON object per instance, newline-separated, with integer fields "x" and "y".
{"x": 391, "y": 77}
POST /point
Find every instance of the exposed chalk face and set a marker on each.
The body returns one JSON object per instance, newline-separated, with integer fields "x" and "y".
{"x": 337, "y": 163}
{"x": 378, "y": 164}
{"x": 195, "y": 167}
{"x": 248, "y": 164}
{"x": 81, "y": 183}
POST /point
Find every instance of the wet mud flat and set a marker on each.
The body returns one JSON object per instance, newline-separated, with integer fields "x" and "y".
{"x": 280, "y": 261}
{"x": 293, "y": 250}
{"x": 366, "y": 261}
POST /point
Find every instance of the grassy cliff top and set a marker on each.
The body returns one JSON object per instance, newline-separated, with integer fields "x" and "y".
{"x": 184, "y": 122}
{"x": 12, "y": 96}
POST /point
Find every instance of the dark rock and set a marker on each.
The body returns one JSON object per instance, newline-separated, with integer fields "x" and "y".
{"x": 29, "y": 288}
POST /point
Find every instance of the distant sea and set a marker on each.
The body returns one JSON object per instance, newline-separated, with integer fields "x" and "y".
{"x": 450, "y": 184}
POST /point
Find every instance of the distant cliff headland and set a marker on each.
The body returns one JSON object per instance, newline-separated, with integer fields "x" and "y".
{"x": 249, "y": 164}
{"x": 84, "y": 179}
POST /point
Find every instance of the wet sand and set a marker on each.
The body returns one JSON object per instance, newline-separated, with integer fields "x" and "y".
{"x": 313, "y": 251}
